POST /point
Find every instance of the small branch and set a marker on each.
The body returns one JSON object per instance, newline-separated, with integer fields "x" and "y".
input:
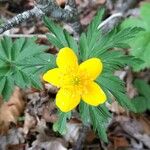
{"x": 20, "y": 18}
{"x": 50, "y": 8}
{"x": 108, "y": 24}
{"x": 24, "y": 35}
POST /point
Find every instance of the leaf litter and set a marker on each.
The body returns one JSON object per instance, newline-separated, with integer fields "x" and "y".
{"x": 34, "y": 130}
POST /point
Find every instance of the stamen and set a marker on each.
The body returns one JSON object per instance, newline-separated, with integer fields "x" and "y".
{"x": 76, "y": 81}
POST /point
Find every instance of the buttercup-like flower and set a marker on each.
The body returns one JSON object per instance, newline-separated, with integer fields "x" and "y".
{"x": 75, "y": 81}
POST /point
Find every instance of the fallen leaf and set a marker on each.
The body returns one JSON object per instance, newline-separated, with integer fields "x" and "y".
{"x": 73, "y": 131}
{"x": 11, "y": 110}
{"x": 14, "y": 136}
{"x": 120, "y": 142}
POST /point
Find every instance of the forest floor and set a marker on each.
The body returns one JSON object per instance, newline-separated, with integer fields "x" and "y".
{"x": 31, "y": 127}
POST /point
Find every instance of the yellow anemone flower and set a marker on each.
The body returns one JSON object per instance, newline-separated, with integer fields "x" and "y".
{"x": 75, "y": 81}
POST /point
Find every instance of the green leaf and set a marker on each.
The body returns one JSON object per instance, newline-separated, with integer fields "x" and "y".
{"x": 7, "y": 44}
{"x": 143, "y": 88}
{"x": 4, "y": 69}
{"x": 83, "y": 45}
{"x": 84, "y": 113}
{"x": 60, "y": 37}
{"x": 142, "y": 101}
{"x": 2, "y": 81}
{"x": 54, "y": 41}
{"x": 60, "y": 125}
{"x": 56, "y": 30}
{"x": 140, "y": 44}
{"x": 71, "y": 42}
{"x": 114, "y": 39}
{"x": 97, "y": 116}
{"x": 17, "y": 47}
{"x": 100, "y": 44}
{"x": 124, "y": 101}
{"x": 115, "y": 59}
{"x": 20, "y": 78}
{"x": 3, "y": 55}
{"x": 116, "y": 87}
{"x": 104, "y": 111}
{"x": 89, "y": 40}
{"x": 145, "y": 10}
{"x": 92, "y": 32}
{"x": 35, "y": 81}
{"x": 141, "y": 49}
{"x": 131, "y": 22}
{"x": 22, "y": 65}
{"x": 8, "y": 88}
{"x": 99, "y": 122}
{"x": 141, "y": 104}
{"x": 30, "y": 48}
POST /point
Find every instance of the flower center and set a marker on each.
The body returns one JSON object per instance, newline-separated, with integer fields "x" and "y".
{"x": 76, "y": 81}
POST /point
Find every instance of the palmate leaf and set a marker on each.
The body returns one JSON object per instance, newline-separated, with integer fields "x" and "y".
{"x": 115, "y": 59}
{"x": 114, "y": 39}
{"x": 21, "y": 64}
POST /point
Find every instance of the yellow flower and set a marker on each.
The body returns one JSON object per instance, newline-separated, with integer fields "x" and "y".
{"x": 75, "y": 81}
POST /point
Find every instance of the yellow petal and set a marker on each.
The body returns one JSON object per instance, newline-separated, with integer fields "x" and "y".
{"x": 93, "y": 94}
{"x": 92, "y": 68}
{"x": 66, "y": 100}
{"x": 53, "y": 76}
{"x": 67, "y": 59}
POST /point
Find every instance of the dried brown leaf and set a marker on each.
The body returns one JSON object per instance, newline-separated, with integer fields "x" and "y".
{"x": 11, "y": 110}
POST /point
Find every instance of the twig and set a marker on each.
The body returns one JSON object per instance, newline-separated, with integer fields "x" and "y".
{"x": 21, "y": 18}
{"x": 23, "y": 35}
{"x": 50, "y": 8}
{"x": 108, "y": 24}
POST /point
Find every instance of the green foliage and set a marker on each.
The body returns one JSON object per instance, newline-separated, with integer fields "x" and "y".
{"x": 142, "y": 101}
{"x": 116, "y": 87}
{"x": 60, "y": 38}
{"x": 112, "y": 59}
{"x": 97, "y": 116}
{"x": 95, "y": 44}
{"x": 60, "y": 125}
{"x": 84, "y": 113}
{"x": 140, "y": 45}
{"x": 21, "y": 64}
{"x": 99, "y": 119}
